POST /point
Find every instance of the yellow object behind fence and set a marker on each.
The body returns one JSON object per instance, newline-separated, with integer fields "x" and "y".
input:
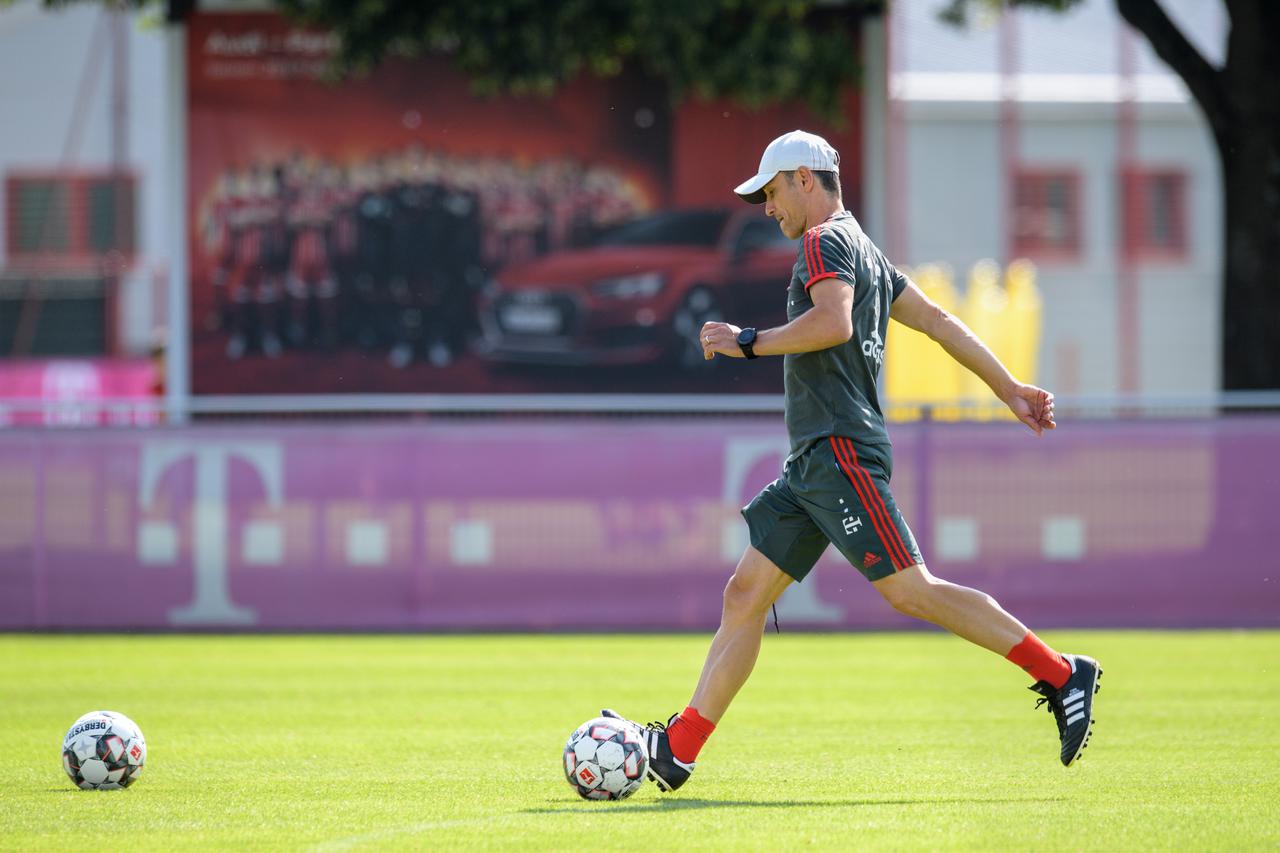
{"x": 919, "y": 370}
{"x": 1023, "y": 326}
{"x": 1007, "y": 318}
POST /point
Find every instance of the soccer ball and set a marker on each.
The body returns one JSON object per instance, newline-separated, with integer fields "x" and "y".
{"x": 103, "y": 750}
{"x": 606, "y": 759}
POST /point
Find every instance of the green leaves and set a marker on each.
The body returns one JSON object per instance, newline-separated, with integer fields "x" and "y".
{"x": 956, "y": 12}
{"x": 755, "y": 52}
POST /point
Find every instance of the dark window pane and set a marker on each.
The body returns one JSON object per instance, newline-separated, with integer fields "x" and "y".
{"x": 1155, "y": 212}
{"x": 1057, "y": 212}
{"x": 110, "y": 225}
{"x": 672, "y": 228}
{"x": 42, "y": 216}
{"x": 71, "y": 320}
{"x": 1045, "y": 213}
{"x": 1162, "y": 206}
{"x": 762, "y": 233}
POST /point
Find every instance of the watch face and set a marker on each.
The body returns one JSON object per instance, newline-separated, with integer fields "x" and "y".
{"x": 747, "y": 337}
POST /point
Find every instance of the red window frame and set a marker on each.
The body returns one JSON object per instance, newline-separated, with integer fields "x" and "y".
{"x": 1146, "y": 236}
{"x": 77, "y": 252}
{"x": 1031, "y": 221}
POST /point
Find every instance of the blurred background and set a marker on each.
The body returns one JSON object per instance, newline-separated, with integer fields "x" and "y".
{"x": 383, "y": 317}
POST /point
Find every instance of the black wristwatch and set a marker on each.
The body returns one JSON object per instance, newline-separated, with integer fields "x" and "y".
{"x": 747, "y": 339}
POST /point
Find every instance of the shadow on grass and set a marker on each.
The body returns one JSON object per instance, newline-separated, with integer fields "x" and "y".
{"x": 667, "y": 805}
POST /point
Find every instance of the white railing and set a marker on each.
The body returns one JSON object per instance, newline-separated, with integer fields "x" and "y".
{"x": 112, "y": 412}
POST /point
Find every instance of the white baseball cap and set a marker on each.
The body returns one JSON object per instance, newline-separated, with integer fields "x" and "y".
{"x": 787, "y": 153}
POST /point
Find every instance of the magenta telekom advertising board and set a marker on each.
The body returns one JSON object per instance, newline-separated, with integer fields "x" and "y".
{"x": 618, "y": 524}
{"x": 78, "y": 392}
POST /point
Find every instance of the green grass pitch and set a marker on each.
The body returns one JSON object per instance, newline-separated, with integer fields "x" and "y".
{"x": 852, "y": 742}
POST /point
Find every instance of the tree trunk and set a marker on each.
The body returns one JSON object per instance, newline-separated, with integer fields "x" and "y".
{"x": 1249, "y": 145}
{"x": 1251, "y": 259}
{"x": 1241, "y": 103}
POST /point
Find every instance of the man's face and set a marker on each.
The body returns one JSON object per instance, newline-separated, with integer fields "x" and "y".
{"x": 782, "y": 201}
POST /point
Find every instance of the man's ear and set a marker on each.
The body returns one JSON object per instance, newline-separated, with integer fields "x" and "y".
{"x": 804, "y": 178}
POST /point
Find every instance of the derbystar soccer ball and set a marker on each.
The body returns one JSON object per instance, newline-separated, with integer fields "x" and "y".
{"x": 103, "y": 750}
{"x": 606, "y": 759}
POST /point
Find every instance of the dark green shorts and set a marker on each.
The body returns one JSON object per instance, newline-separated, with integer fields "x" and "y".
{"x": 832, "y": 494}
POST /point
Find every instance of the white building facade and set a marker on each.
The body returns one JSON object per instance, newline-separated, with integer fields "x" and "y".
{"x": 1008, "y": 138}
{"x": 82, "y": 101}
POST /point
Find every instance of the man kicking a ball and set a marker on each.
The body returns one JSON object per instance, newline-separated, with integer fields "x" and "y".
{"x": 835, "y": 483}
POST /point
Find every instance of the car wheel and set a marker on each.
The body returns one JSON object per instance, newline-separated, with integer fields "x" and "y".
{"x": 698, "y": 306}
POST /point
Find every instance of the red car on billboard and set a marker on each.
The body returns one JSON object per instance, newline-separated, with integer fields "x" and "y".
{"x": 641, "y": 292}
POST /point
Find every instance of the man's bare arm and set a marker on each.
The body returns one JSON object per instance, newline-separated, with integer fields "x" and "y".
{"x": 1032, "y": 405}
{"x": 827, "y": 324}
{"x": 915, "y": 310}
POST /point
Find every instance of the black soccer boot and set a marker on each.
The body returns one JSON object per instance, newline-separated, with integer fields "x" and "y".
{"x": 667, "y": 771}
{"x": 1072, "y": 706}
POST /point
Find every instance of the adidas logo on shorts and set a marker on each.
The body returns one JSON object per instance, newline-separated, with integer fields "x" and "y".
{"x": 869, "y": 560}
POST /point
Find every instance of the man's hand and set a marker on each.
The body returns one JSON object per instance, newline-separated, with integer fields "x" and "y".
{"x": 720, "y": 338}
{"x": 1033, "y": 406}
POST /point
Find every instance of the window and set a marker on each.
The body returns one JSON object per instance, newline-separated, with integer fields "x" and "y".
{"x": 1155, "y": 214}
{"x": 109, "y": 226}
{"x": 39, "y": 214}
{"x": 761, "y": 233}
{"x": 69, "y": 219}
{"x": 669, "y": 228}
{"x": 1046, "y": 214}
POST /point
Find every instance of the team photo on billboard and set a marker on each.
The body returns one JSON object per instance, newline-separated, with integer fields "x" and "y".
{"x": 398, "y": 233}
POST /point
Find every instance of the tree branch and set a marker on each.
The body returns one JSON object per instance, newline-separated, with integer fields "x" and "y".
{"x": 1204, "y": 81}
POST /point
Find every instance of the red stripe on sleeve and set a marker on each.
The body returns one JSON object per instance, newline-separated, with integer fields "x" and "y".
{"x": 818, "y": 278}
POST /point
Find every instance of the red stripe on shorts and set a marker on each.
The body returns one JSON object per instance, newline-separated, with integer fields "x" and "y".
{"x": 877, "y": 521}
{"x": 893, "y": 528}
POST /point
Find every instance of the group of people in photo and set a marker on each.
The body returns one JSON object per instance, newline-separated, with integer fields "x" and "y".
{"x": 388, "y": 253}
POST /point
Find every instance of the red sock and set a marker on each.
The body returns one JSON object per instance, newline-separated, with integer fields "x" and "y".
{"x": 1041, "y": 662}
{"x": 688, "y": 733}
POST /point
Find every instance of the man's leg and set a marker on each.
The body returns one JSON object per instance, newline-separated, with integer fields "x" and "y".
{"x": 756, "y": 584}
{"x": 783, "y": 533}
{"x": 964, "y": 612}
{"x": 886, "y": 553}
{"x": 975, "y": 616}
{"x": 1067, "y": 683}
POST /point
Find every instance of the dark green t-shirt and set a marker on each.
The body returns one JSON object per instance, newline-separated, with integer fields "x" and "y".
{"x": 833, "y": 391}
